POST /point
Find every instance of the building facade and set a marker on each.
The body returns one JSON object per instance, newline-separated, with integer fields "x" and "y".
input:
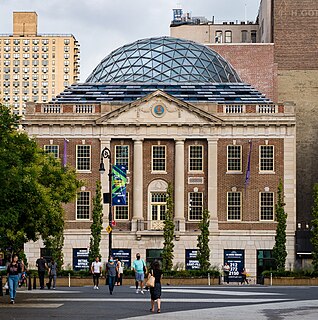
{"x": 185, "y": 119}
{"x": 35, "y": 67}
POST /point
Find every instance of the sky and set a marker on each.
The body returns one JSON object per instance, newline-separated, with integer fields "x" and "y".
{"x": 102, "y": 26}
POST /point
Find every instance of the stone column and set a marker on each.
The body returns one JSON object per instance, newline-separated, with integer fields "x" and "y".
{"x": 138, "y": 183}
{"x": 179, "y": 184}
{"x": 212, "y": 183}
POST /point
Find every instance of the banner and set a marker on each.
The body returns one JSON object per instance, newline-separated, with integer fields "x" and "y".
{"x": 235, "y": 259}
{"x": 80, "y": 259}
{"x": 192, "y": 262}
{"x": 119, "y": 180}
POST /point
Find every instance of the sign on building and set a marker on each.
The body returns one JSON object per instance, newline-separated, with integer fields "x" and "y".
{"x": 124, "y": 255}
{"x": 191, "y": 261}
{"x": 235, "y": 259}
{"x": 119, "y": 180}
{"x": 80, "y": 259}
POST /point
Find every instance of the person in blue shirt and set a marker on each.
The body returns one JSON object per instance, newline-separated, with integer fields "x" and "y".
{"x": 139, "y": 266}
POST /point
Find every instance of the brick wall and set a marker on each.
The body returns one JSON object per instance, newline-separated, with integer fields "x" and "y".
{"x": 255, "y": 65}
{"x": 250, "y": 198}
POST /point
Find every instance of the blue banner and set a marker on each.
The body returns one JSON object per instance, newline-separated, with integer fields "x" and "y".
{"x": 235, "y": 259}
{"x": 119, "y": 180}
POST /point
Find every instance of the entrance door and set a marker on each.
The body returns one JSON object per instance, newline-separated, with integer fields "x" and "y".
{"x": 265, "y": 261}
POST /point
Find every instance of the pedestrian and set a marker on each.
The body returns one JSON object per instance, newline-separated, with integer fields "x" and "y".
{"x": 13, "y": 270}
{"x": 226, "y": 271}
{"x": 42, "y": 266}
{"x": 244, "y": 276}
{"x": 96, "y": 270}
{"x": 119, "y": 272}
{"x": 139, "y": 266}
{"x": 52, "y": 274}
{"x": 155, "y": 292}
{"x": 111, "y": 273}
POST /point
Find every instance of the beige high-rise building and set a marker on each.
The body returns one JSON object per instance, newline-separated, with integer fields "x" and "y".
{"x": 35, "y": 67}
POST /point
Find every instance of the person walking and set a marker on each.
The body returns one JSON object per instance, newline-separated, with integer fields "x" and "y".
{"x": 96, "y": 270}
{"x": 13, "y": 270}
{"x": 226, "y": 271}
{"x": 111, "y": 273}
{"x": 139, "y": 266}
{"x": 42, "y": 266}
{"x": 52, "y": 274}
{"x": 155, "y": 292}
{"x": 244, "y": 276}
{"x": 119, "y": 273}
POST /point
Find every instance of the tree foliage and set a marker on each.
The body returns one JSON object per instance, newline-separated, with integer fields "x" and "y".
{"x": 279, "y": 250}
{"x": 97, "y": 225}
{"x": 203, "y": 241}
{"x": 168, "y": 233}
{"x": 33, "y": 188}
{"x": 314, "y": 230}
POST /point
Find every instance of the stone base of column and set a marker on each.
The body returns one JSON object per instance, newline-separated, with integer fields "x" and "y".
{"x": 214, "y": 226}
{"x": 179, "y": 225}
{"x": 137, "y": 225}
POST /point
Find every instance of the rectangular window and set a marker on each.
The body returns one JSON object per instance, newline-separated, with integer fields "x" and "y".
{"x": 122, "y": 212}
{"x": 158, "y": 205}
{"x": 234, "y": 203}
{"x": 196, "y": 158}
{"x": 195, "y": 205}
{"x": 228, "y": 36}
{"x": 158, "y": 158}
{"x": 83, "y": 206}
{"x": 122, "y": 156}
{"x": 234, "y": 158}
{"x": 83, "y": 159}
{"x": 52, "y": 149}
{"x": 266, "y": 158}
{"x": 244, "y": 36}
{"x": 253, "y": 36}
{"x": 267, "y": 206}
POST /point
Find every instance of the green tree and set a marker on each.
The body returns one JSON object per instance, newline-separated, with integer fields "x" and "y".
{"x": 279, "y": 250}
{"x": 168, "y": 233}
{"x": 34, "y": 187}
{"x": 97, "y": 225}
{"x": 203, "y": 241}
{"x": 314, "y": 230}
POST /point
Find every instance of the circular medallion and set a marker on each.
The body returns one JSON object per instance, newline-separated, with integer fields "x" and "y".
{"x": 158, "y": 110}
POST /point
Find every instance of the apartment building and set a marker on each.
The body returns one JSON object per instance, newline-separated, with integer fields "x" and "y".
{"x": 35, "y": 67}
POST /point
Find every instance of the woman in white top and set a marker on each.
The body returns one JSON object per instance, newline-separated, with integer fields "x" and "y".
{"x": 119, "y": 273}
{"x": 96, "y": 270}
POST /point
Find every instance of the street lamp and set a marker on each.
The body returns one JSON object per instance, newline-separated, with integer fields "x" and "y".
{"x": 106, "y": 154}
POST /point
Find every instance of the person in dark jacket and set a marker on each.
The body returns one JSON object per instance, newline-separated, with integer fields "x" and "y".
{"x": 13, "y": 270}
{"x": 111, "y": 273}
{"x": 155, "y": 292}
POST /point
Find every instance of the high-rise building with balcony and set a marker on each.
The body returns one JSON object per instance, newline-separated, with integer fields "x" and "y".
{"x": 35, "y": 67}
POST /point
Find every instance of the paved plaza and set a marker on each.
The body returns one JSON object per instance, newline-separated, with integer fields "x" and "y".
{"x": 199, "y": 302}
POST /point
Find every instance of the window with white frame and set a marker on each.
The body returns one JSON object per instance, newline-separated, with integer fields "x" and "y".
{"x": 83, "y": 205}
{"x": 83, "y": 158}
{"x": 266, "y": 158}
{"x": 158, "y": 205}
{"x": 53, "y": 149}
{"x": 158, "y": 158}
{"x": 195, "y": 205}
{"x": 122, "y": 156}
{"x": 196, "y": 158}
{"x": 267, "y": 206}
{"x": 122, "y": 212}
{"x": 228, "y": 36}
{"x": 234, "y": 205}
{"x": 234, "y": 158}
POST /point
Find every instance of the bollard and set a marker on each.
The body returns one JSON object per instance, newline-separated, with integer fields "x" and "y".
{"x": 34, "y": 282}
{"x": 220, "y": 280}
{"x": 29, "y": 283}
{"x": 1, "y": 284}
{"x": 69, "y": 280}
{"x": 209, "y": 279}
{"x": 271, "y": 279}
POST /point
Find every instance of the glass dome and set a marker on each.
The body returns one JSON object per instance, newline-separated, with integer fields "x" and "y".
{"x": 164, "y": 60}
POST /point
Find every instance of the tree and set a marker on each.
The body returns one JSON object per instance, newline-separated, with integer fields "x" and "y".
{"x": 168, "y": 233}
{"x": 314, "y": 230}
{"x": 203, "y": 241}
{"x": 279, "y": 250}
{"x": 97, "y": 225}
{"x": 34, "y": 187}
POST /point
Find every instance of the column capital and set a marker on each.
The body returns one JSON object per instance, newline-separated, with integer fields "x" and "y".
{"x": 179, "y": 140}
{"x": 212, "y": 140}
{"x": 137, "y": 139}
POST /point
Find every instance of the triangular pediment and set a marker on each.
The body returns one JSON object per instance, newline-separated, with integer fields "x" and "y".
{"x": 158, "y": 107}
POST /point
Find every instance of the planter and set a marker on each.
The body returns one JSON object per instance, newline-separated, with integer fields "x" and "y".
{"x": 291, "y": 281}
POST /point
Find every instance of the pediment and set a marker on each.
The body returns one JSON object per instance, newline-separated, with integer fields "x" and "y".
{"x": 158, "y": 107}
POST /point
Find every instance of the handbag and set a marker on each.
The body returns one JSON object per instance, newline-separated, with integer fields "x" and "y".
{"x": 6, "y": 286}
{"x": 151, "y": 281}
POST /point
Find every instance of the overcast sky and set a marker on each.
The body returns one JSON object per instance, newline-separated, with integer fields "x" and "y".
{"x": 101, "y": 26}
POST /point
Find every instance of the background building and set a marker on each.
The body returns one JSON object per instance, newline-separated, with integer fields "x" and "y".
{"x": 35, "y": 67}
{"x": 284, "y": 65}
{"x": 172, "y": 110}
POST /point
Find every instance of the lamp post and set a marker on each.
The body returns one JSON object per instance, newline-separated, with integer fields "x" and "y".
{"x": 106, "y": 154}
